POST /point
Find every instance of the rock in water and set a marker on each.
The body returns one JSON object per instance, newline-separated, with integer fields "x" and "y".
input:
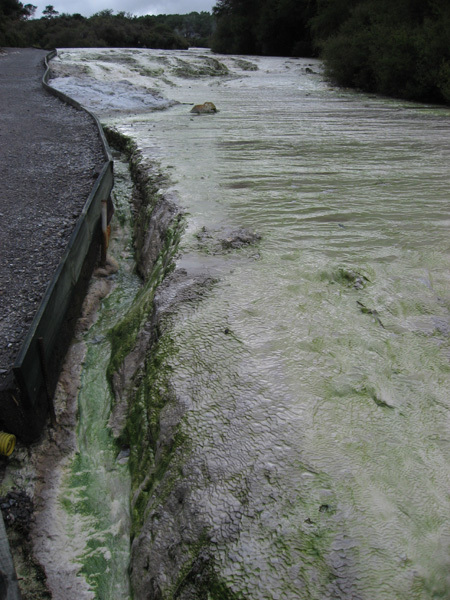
{"x": 207, "y": 108}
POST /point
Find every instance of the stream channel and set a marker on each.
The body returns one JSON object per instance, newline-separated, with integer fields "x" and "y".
{"x": 288, "y": 384}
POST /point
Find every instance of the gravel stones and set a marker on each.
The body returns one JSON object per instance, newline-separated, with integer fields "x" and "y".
{"x": 51, "y": 156}
{"x": 17, "y": 509}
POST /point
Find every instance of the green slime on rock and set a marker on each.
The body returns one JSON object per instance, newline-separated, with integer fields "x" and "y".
{"x": 96, "y": 488}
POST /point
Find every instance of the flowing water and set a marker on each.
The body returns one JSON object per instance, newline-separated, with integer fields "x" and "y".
{"x": 84, "y": 529}
{"x": 314, "y": 374}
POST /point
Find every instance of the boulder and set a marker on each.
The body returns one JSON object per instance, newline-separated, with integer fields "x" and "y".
{"x": 207, "y": 108}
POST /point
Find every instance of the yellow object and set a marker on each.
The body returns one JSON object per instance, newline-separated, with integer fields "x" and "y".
{"x": 7, "y": 443}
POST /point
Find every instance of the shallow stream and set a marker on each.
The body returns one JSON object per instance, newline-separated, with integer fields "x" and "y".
{"x": 314, "y": 374}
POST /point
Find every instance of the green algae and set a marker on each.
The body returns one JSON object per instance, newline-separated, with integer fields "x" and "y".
{"x": 151, "y": 392}
{"x": 149, "y": 460}
{"x": 207, "y": 67}
{"x": 149, "y": 72}
{"x": 95, "y": 478}
{"x": 115, "y": 57}
{"x": 147, "y": 182}
{"x": 95, "y": 490}
{"x": 347, "y": 276}
{"x": 199, "y": 578}
{"x": 245, "y": 65}
{"x": 123, "y": 336}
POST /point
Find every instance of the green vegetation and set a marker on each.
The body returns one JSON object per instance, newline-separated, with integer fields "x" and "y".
{"x": 394, "y": 48}
{"x": 268, "y": 27}
{"x": 151, "y": 390}
{"x": 12, "y": 13}
{"x": 104, "y": 29}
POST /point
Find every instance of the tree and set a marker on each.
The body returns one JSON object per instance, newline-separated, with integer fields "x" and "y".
{"x": 283, "y": 28}
{"x": 11, "y": 9}
{"x": 278, "y": 27}
{"x": 49, "y": 12}
{"x": 11, "y": 12}
{"x": 237, "y": 22}
{"x": 394, "y": 48}
{"x": 29, "y": 11}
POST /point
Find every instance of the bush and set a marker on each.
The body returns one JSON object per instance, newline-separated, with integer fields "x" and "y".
{"x": 397, "y": 49}
{"x": 105, "y": 29}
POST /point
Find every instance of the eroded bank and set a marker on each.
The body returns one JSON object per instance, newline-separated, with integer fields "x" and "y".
{"x": 290, "y": 417}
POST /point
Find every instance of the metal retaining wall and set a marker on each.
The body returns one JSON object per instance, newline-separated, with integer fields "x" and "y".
{"x": 38, "y": 362}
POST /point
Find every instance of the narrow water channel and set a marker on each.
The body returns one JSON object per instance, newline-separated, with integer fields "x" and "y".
{"x": 311, "y": 376}
{"x": 82, "y": 537}
{"x": 96, "y": 488}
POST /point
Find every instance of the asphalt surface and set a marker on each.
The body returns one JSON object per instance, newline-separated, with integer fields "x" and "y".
{"x": 50, "y": 156}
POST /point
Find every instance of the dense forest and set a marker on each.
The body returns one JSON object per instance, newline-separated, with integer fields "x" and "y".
{"x": 393, "y": 47}
{"x": 396, "y": 48}
{"x": 399, "y": 48}
{"x": 268, "y": 27}
{"x": 104, "y": 29}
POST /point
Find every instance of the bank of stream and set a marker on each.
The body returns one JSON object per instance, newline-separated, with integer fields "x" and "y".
{"x": 67, "y": 498}
{"x": 89, "y": 516}
{"x": 280, "y": 373}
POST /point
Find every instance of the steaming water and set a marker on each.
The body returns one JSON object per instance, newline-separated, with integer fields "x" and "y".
{"x": 315, "y": 374}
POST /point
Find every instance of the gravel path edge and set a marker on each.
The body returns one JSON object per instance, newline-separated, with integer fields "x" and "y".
{"x": 28, "y": 382}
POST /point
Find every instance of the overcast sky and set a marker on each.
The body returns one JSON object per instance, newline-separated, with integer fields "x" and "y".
{"x": 135, "y": 7}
